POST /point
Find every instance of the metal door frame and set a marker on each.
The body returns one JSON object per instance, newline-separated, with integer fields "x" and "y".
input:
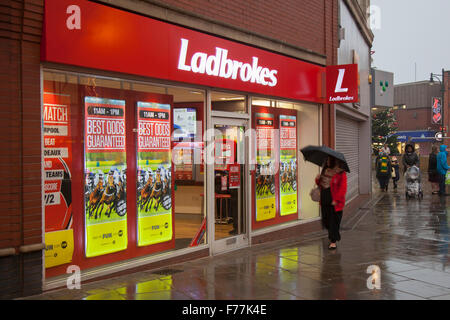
{"x": 238, "y": 241}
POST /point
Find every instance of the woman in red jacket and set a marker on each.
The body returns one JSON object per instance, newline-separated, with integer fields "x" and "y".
{"x": 333, "y": 187}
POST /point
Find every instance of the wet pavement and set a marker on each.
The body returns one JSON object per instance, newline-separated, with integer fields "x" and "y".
{"x": 407, "y": 240}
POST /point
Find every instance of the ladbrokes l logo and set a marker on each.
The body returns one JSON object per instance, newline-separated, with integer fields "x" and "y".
{"x": 342, "y": 84}
{"x": 219, "y": 65}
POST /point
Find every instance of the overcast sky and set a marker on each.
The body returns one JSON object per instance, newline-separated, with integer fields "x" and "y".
{"x": 412, "y": 32}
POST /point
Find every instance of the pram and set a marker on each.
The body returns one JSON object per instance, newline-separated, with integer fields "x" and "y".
{"x": 413, "y": 186}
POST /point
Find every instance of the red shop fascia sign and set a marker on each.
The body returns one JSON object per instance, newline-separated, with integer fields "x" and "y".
{"x": 86, "y": 34}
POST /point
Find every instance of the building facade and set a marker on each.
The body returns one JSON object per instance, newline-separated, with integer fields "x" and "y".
{"x": 143, "y": 133}
{"x": 353, "y": 122}
{"x": 413, "y": 109}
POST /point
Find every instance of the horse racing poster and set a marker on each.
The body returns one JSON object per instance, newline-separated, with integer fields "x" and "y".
{"x": 265, "y": 167}
{"x": 288, "y": 165}
{"x": 57, "y": 155}
{"x": 105, "y": 174}
{"x": 154, "y": 189}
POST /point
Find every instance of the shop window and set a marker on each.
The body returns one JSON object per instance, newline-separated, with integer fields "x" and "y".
{"x": 282, "y": 180}
{"x": 123, "y": 169}
{"x": 228, "y": 102}
{"x": 309, "y": 133}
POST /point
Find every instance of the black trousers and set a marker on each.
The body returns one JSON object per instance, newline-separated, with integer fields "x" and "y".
{"x": 384, "y": 182}
{"x": 331, "y": 219}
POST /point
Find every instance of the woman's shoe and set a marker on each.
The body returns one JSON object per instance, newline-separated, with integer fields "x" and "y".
{"x": 330, "y": 247}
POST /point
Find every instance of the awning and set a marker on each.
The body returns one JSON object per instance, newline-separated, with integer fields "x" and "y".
{"x": 416, "y": 136}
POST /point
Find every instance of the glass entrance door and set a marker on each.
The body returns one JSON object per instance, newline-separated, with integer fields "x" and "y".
{"x": 229, "y": 199}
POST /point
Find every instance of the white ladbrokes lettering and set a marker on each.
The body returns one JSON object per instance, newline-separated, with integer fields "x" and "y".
{"x": 219, "y": 65}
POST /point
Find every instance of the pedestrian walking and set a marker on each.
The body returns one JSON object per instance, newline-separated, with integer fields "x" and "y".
{"x": 385, "y": 149}
{"x": 433, "y": 175}
{"x": 442, "y": 167}
{"x": 395, "y": 171}
{"x": 383, "y": 170}
{"x": 332, "y": 183}
{"x": 410, "y": 158}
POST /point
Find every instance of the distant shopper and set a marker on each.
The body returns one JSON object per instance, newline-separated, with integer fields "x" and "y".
{"x": 383, "y": 169}
{"x": 395, "y": 171}
{"x": 385, "y": 149}
{"x": 433, "y": 175}
{"x": 410, "y": 158}
{"x": 442, "y": 167}
{"x": 333, "y": 187}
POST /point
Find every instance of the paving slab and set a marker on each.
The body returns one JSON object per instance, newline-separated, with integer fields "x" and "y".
{"x": 407, "y": 240}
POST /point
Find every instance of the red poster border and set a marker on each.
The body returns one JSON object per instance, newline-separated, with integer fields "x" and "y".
{"x": 77, "y": 93}
{"x": 278, "y": 218}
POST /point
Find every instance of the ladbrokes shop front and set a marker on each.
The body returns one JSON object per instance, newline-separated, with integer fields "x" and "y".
{"x": 161, "y": 143}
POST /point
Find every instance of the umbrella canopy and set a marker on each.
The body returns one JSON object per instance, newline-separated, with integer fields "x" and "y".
{"x": 319, "y": 154}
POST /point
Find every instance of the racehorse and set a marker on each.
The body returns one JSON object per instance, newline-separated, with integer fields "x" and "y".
{"x": 285, "y": 180}
{"x": 267, "y": 184}
{"x": 108, "y": 197}
{"x": 145, "y": 194}
{"x": 156, "y": 191}
{"x": 94, "y": 198}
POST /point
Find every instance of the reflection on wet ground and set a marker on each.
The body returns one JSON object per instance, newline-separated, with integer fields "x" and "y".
{"x": 407, "y": 240}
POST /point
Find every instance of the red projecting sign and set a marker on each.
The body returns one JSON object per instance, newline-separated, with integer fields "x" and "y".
{"x": 92, "y": 35}
{"x": 342, "y": 84}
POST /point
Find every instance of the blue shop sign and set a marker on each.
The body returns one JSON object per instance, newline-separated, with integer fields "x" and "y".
{"x": 416, "y": 136}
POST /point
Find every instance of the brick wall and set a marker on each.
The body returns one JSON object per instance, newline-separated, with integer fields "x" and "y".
{"x": 446, "y": 104}
{"x": 414, "y": 119}
{"x": 302, "y": 23}
{"x": 20, "y": 159}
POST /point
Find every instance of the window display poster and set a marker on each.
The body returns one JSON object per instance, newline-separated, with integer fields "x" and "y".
{"x": 183, "y": 160}
{"x": 105, "y": 176}
{"x": 184, "y": 122}
{"x": 224, "y": 151}
{"x": 234, "y": 172}
{"x": 154, "y": 189}
{"x": 288, "y": 165}
{"x": 57, "y": 179}
{"x": 265, "y": 167}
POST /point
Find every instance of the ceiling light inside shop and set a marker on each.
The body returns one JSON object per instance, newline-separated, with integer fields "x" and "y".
{"x": 236, "y": 98}
{"x": 285, "y": 105}
{"x": 263, "y": 103}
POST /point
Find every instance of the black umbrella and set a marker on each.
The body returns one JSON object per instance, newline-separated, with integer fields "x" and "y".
{"x": 319, "y": 154}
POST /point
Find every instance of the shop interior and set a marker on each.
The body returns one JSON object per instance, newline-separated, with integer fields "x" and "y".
{"x": 188, "y": 113}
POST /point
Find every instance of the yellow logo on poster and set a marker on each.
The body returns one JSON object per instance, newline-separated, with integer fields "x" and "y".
{"x": 58, "y": 247}
{"x": 155, "y": 229}
{"x": 265, "y": 209}
{"x": 106, "y": 238}
{"x": 288, "y": 204}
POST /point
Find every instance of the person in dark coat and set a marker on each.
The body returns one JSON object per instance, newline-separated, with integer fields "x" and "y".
{"x": 410, "y": 158}
{"x": 384, "y": 170}
{"x": 433, "y": 175}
